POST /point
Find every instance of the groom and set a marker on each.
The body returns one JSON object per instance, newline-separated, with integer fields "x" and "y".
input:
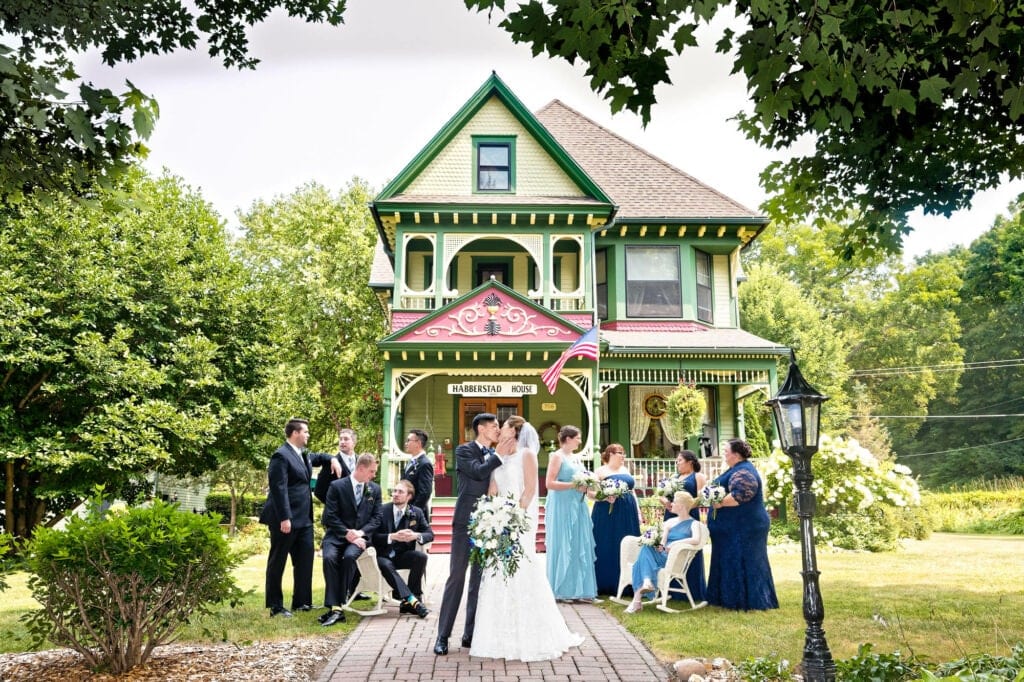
{"x": 474, "y": 461}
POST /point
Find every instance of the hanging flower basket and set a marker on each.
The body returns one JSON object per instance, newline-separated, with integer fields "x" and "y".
{"x": 684, "y": 408}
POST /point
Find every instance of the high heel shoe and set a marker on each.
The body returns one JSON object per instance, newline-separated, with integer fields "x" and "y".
{"x": 634, "y": 607}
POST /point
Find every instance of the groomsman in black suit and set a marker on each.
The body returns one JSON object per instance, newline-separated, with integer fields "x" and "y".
{"x": 474, "y": 461}
{"x": 288, "y": 512}
{"x": 420, "y": 470}
{"x": 403, "y": 530}
{"x": 351, "y": 516}
{"x": 347, "y": 458}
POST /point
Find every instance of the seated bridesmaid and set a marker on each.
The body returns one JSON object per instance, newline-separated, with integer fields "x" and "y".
{"x": 682, "y": 529}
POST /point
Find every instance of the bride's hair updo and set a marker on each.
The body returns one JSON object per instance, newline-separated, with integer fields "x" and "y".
{"x": 516, "y": 422}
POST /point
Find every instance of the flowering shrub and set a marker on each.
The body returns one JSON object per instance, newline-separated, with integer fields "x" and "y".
{"x": 856, "y": 495}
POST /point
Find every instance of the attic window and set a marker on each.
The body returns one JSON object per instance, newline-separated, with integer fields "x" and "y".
{"x": 495, "y": 164}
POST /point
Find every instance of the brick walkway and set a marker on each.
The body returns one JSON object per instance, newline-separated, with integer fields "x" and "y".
{"x": 394, "y": 647}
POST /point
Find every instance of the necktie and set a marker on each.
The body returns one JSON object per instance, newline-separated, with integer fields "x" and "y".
{"x": 359, "y": 493}
{"x": 398, "y": 517}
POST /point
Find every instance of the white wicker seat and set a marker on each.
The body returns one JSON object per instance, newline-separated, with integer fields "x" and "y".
{"x": 680, "y": 556}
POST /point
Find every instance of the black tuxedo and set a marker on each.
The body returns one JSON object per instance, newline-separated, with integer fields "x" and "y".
{"x": 474, "y": 467}
{"x": 326, "y": 477}
{"x": 396, "y": 555}
{"x": 420, "y": 472}
{"x": 341, "y": 513}
{"x": 289, "y": 498}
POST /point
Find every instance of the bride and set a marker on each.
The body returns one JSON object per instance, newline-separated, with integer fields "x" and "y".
{"x": 517, "y": 618}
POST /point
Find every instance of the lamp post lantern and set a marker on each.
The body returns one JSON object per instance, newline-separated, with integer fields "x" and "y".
{"x": 797, "y": 411}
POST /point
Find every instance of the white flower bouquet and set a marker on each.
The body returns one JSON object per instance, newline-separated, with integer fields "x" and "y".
{"x": 710, "y": 495}
{"x": 495, "y": 528}
{"x": 585, "y": 480}
{"x": 668, "y": 487}
{"x": 610, "y": 489}
{"x": 651, "y": 535}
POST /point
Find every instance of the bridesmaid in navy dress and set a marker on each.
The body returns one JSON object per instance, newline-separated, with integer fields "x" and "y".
{"x": 740, "y": 577}
{"x": 613, "y": 520}
{"x": 688, "y": 468}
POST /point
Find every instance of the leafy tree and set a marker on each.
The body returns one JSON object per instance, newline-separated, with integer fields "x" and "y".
{"x": 909, "y": 104}
{"x": 51, "y": 142}
{"x": 773, "y": 307}
{"x": 991, "y": 312}
{"x": 126, "y": 333}
{"x": 311, "y": 253}
{"x": 897, "y": 323}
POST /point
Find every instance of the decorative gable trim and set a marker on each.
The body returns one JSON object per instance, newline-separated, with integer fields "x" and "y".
{"x": 491, "y": 313}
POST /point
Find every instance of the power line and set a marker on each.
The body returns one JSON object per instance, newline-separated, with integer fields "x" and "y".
{"x": 969, "y": 447}
{"x": 948, "y": 367}
{"x": 931, "y": 416}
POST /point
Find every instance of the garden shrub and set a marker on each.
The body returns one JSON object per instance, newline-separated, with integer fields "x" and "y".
{"x": 116, "y": 584}
{"x": 6, "y": 547}
{"x": 253, "y": 538}
{"x": 861, "y": 502}
{"x": 867, "y": 666}
{"x": 1008, "y": 524}
{"x": 968, "y": 510}
{"x": 248, "y": 505}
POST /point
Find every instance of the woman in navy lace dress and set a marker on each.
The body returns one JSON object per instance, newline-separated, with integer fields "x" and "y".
{"x": 740, "y": 577}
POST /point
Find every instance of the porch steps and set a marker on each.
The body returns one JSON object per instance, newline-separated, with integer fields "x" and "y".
{"x": 441, "y": 522}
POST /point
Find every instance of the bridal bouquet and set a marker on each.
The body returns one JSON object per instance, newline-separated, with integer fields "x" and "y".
{"x": 710, "y": 495}
{"x": 585, "y": 480}
{"x": 651, "y": 535}
{"x": 611, "y": 488}
{"x": 495, "y": 528}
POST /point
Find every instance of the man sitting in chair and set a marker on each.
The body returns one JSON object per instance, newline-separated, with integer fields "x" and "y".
{"x": 403, "y": 529}
{"x": 351, "y": 517}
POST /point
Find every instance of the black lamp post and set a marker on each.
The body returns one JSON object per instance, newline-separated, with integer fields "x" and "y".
{"x": 796, "y": 408}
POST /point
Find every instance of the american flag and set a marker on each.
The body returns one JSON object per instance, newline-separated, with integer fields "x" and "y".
{"x": 585, "y": 347}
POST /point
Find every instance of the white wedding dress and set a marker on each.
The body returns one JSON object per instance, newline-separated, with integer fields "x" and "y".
{"x": 517, "y": 618}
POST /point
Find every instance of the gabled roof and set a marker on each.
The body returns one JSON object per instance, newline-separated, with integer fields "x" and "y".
{"x": 643, "y": 186}
{"x": 492, "y": 87}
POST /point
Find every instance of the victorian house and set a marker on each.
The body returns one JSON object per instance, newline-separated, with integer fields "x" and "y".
{"x": 512, "y": 234}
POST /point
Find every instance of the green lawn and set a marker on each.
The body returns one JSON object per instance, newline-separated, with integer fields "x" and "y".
{"x": 941, "y": 598}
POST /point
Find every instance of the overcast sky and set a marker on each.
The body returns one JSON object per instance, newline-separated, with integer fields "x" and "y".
{"x": 327, "y": 104}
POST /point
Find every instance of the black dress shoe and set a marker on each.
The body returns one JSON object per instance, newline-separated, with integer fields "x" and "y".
{"x": 441, "y": 646}
{"x": 421, "y": 610}
{"x": 325, "y": 615}
{"x": 333, "y": 618}
{"x": 467, "y": 641}
{"x": 362, "y": 596}
{"x": 280, "y": 611}
{"x": 304, "y": 607}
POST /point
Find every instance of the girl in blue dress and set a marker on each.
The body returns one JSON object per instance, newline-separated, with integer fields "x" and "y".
{"x": 740, "y": 576}
{"x": 568, "y": 532}
{"x": 680, "y": 528}
{"x": 613, "y": 519}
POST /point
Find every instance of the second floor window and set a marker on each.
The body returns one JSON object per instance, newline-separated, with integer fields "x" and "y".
{"x": 494, "y": 165}
{"x": 652, "y": 282}
{"x": 704, "y": 300}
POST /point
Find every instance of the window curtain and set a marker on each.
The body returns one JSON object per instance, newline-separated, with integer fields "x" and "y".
{"x": 640, "y": 422}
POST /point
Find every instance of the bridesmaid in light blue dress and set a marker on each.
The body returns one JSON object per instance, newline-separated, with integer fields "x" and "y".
{"x": 568, "y": 531}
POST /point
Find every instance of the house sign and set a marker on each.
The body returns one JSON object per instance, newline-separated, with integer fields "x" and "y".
{"x": 498, "y": 389}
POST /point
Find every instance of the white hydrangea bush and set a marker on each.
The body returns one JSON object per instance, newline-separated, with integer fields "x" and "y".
{"x": 847, "y": 478}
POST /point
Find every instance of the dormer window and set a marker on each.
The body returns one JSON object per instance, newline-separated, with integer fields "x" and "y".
{"x": 495, "y": 164}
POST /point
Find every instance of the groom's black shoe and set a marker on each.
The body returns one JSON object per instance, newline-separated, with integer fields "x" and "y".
{"x": 441, "y": 646}
{"x": 467, "y": 641}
